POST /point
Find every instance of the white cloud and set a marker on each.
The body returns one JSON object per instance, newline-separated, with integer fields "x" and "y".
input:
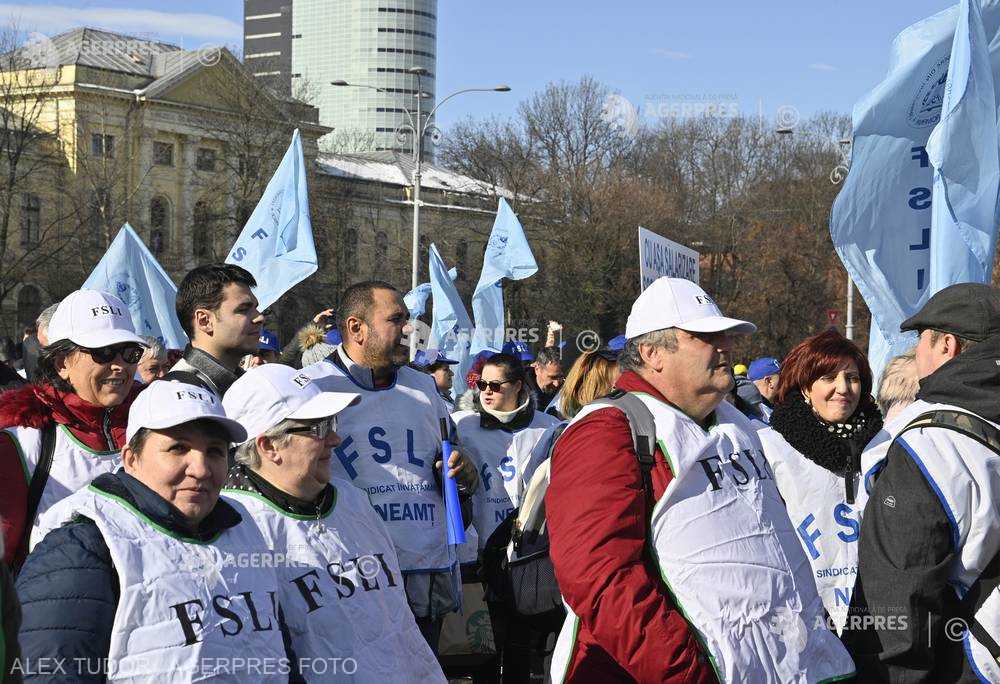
{"x": 822, "y": 66}
{"x": 55, "y": 18}
{"x": 671, "y": 54}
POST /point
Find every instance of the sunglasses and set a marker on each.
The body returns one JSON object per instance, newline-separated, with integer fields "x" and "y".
{"x": 320, "y": 429}
{"x": 129, "y": 353}
{"x": 494, "y": 386}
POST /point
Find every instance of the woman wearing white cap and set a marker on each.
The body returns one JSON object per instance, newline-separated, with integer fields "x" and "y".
{"x": 146, "y": 575}
{"x": 66, "y": 429}
{"x": 342, "y": 590}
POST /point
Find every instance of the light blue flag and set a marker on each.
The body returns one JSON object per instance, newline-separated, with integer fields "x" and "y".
{"x": 451, "y": 327}
{"x": 276, "y": 244}
{"x": 881, "y": 220}
{"x": 130, "y": 272}
{"x": 416, "y": 299}
{"x": 964, "y": 149}
{"x": 507, "y": 256}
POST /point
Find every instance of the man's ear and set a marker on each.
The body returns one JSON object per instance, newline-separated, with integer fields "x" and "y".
{"x": 356, "y": 329}
{"x": 129, "y": 460}
{"x": 950, "y": 346}
{"x": 265, "y": 447}
{"x": 652, "y": 356}
{"x": 204, "y": 322}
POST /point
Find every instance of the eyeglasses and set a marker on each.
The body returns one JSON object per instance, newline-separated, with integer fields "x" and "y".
{"x": 494, "y": 386}
{"x": 320, "y": 429}
{"x": 129, "y": 353}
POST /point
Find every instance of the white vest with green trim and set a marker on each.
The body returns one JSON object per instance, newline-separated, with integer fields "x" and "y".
{"x": 504, "y": 462}
{"x": 389, "y": 443}
{"x": 827, "y": 525}
{"x": 730, "y": 558}
{"x": 74, "y": 466}
{"x": 187, "y": 610}
{"x": 342, "y": 591}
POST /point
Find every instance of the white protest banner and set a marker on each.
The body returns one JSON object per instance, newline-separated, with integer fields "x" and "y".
{"x": 659, "y": 257}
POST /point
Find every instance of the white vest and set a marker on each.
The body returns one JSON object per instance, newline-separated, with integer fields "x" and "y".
{"x": 828, "y": 527}
{"x": 186, "y": 610}
{"x": 391, "y": 440}
{"x": 504, "y": 463}
{"x": 965, "y": 476}
{"x": 730, "y": 558}
{"x": 342, "y": 591}
{"x": 74, "y": 465}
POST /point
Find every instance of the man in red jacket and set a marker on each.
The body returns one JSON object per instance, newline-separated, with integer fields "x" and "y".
{"x": 713, "y": 584}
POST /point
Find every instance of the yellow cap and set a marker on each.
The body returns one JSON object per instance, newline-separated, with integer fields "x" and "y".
{"x": 739, "y": 369}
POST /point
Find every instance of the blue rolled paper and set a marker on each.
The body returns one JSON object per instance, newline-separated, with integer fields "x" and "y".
{"x": 453, "y": 509}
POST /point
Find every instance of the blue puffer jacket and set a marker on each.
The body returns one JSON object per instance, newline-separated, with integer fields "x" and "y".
{"x": 69, "y": 589}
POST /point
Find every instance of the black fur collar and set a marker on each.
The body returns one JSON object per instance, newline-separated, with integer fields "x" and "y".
{"x": 834, "y": 446}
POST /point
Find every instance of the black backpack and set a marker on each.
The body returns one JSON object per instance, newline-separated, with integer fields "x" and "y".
{"x": 516, "y": 566}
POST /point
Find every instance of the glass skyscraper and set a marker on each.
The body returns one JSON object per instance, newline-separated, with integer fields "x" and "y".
{"x": 365, "y": 42}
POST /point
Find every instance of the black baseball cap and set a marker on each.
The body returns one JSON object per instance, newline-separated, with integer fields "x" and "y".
{"x": 969, "y": 310}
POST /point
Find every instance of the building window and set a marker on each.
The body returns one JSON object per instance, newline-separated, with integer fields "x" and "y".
{"x": 351, "y": 250}
{"x": 403, "y": 51}
{"x": 381, "y": 250}
{"x": 461, "y": 257}
{"x": 410, "y": 32}
{"x": 205, "y": 159}
{"x": 31, "y": 208}
{"x": 400, "y": 10}
{"x": 29, "y": 305}
{"x": 201, "y": 233}
{"x": 159, "y": 223}
{"x": 102, "y": 145}
{"x": 100, "y": 214}
{"x": 163, "y": 153}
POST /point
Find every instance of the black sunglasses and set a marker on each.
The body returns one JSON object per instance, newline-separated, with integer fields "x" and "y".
{"x": 494, "y": 386}
{"x": 129, "y": 353}
{"x": 320, "y": 429}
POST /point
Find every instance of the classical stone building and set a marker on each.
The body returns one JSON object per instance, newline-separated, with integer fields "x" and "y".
{"x": 180, "y": 145}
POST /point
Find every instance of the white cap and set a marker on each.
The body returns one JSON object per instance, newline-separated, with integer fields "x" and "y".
{"x": 92, "y": 319}
{"x": 266, "y": 395}
{"x": 679, "y": 303}
{"x": 165, "y": 404}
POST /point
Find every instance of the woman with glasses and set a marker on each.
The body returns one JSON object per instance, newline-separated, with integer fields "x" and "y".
{"x": 342, "y": 590}
{"x": 61, "y": 432}
{"x": 500, "y": 435}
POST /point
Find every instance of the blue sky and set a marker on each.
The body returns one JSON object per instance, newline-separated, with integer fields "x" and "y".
{"x": 773, "y": 57}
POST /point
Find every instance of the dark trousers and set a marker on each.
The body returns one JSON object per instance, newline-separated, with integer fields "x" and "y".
{"x": 522, "y": 645}
{"x": 431, "y": 629}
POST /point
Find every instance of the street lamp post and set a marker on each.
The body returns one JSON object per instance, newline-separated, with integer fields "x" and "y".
{"x": 417, "y": 129}
{"x": 838, "y": 174}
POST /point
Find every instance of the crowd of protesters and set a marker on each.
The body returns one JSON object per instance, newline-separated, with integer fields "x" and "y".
{"x": 249, "y": 511}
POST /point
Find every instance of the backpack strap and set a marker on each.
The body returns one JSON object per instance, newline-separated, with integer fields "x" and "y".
{"x": 981, "y": 431}
{"x": 39, "y": 478}
{"x": 643, "y": 427}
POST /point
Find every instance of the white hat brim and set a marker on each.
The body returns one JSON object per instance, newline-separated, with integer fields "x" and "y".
{"x": 105, "y": 338}
{"x": 713, "y": 324}
{"x": 237, "y": 433}
{"x": 324, "y": 405}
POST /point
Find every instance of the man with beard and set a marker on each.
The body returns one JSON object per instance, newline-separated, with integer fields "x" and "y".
{"x": 219, "y": 313}
{"x": 391, "y": 444}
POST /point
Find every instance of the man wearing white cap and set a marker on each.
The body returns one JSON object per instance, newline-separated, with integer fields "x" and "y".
{"x": 689, "y": 569}
{"x": 146, "y": 574}
{"x": 342, "y": 590}
{"x": 66, "y": 428}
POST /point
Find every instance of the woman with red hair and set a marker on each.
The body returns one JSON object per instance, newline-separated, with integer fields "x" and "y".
{"x": 823, "y": 417}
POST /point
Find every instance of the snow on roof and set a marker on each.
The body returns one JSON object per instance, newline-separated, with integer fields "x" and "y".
{"x": 395, "y": 169}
